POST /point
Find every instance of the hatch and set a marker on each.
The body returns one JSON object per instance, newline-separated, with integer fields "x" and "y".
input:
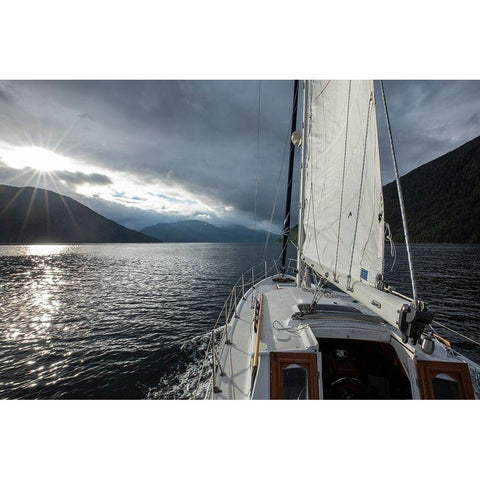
{"x": 444, "y": 380}
{"x": 293, "y": 376}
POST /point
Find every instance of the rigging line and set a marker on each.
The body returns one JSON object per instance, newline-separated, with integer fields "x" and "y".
{"x": 400, "y": 198}
{"x": 361, "y": 186}
{"x": 458, "y": 333}
{"x": 343, "y": 181}
{"x": 393, "y": 251}
{"x": 256, "y": 169}
{"x": 279, "y": 327}
{"x": 205, "y": 360}
{"x": 323, "y": 89}
{"x": 284, "y": 157}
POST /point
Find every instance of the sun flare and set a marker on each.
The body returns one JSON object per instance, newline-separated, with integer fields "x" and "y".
{"x": 38, "y": 158}
{"x": 50, "y": 170}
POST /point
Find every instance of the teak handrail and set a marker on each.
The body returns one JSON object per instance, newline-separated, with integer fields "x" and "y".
{"x": 443, "y": 340}
{"x": 257, "y": 340}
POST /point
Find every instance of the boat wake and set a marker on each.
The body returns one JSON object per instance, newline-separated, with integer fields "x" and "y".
{"x": 189, "y": 379}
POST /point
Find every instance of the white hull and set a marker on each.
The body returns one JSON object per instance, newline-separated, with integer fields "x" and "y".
{"x": 283, "y": 332}
{"x": 281, "y": 341}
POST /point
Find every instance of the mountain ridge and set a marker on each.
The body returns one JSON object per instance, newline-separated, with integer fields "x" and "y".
{"x": 186, "y": 231}
{"x": 442, "y": 199}
{"x": 36, "y": 215}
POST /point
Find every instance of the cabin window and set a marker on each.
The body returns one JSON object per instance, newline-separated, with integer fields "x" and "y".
{"x": 294, "y": 383}
{"x": 445, "y": 387}
{"x": 444, "y": 380}
{"x": 293, "y": 376}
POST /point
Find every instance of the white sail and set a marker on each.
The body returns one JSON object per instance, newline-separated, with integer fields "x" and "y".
{"x": 342, "y": 190}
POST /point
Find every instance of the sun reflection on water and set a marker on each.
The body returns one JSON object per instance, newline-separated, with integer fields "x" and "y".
{"x": 32, "y": 317}
{"x": 44, "y": 250}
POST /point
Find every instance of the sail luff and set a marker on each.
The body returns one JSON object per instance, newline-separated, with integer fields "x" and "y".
{"x": 301, "y": 209}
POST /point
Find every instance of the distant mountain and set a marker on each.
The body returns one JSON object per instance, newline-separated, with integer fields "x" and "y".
{"x": 442, "y": 199}
{"x": 248, "y": 235}
{"x": 35, "y": 215}
{"x": 198, "y": 231}
{"x": 293, "y": 235}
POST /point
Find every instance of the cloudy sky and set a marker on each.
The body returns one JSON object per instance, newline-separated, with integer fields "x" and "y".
{"x": 142, "y": 152}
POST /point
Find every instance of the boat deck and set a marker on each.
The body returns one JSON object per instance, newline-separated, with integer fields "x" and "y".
{"x": 292, "y": 323}
{"x": 284, "y": 330}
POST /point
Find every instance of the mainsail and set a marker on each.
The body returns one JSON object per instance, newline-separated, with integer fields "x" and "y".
{"x": 342, "y": 190}
{"x": 341, "y": 234}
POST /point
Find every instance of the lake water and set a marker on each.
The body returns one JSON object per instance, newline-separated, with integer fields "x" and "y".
{"x": 132, "y": 320}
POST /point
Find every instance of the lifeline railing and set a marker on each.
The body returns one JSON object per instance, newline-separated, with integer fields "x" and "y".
{"x": 218, "y": 338}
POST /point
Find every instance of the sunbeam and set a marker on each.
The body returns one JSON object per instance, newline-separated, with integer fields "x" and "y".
{"x": 53, "y": 179}
{"x": 47, "y": 206}
{"x": 29, "y": 208}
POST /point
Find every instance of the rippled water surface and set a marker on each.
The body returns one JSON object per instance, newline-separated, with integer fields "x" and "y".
{"x": 132, "y": 321}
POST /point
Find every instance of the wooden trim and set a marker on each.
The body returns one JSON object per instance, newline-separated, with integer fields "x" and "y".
{"x": 259, "y": 329}
{"x": 428, "y": 369}
{"x": 280, "y": 360}
{"x": 443, "y": 340}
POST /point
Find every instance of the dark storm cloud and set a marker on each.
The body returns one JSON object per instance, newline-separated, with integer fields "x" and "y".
{"x": 5, "y": 95}
{"x": 16, "y": 177}
{"x": 79, "y": 178}
{"x": 201, "y": 136}
{"x": 27, "y": 174}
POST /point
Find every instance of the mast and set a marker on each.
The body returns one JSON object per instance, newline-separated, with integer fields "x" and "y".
{"x": 301, "y": 205}
{"x": 286, "y": 223}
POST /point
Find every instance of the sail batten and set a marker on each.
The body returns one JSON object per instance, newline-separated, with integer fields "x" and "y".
{"x": 342, "y": 200}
